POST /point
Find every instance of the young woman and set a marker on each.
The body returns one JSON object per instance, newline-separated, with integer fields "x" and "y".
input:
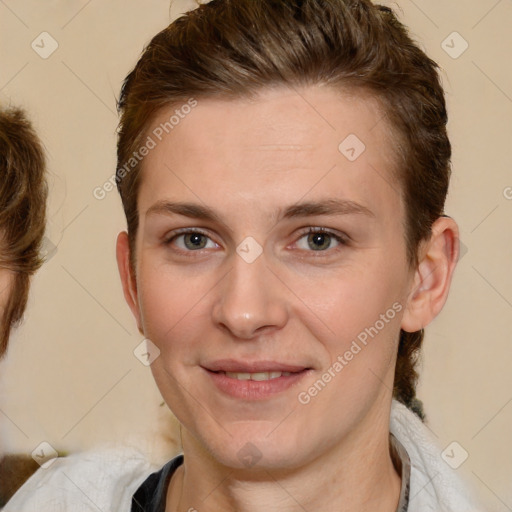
{"x": 23, "y": 194}
{"x": 283, "y": 167}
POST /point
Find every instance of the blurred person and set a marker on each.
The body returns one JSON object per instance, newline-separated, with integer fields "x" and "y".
{"x": 283, "y": 168}
{"x": 23, "y": 193}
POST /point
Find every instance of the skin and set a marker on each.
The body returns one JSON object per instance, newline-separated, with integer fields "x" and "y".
{"x": 6, "y": 285}
{"x": 302, "y": 301}
{"x": 7, "y": 278}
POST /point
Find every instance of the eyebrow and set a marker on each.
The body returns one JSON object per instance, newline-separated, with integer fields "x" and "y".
{"x": 329, "y": 206}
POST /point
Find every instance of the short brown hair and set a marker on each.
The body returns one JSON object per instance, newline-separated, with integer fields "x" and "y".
{"x": 23, "y": 192}
{"x": 235, "y": 48}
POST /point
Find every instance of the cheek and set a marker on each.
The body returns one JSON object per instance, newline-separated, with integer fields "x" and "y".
{"x": 6, "y": 286}
{"x": 171, "y": 305}
{"x": 345, "y": 303}
{"x": 361, "y": 325}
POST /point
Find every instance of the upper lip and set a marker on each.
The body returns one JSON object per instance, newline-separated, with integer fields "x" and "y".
{"x": 232, "y": 365}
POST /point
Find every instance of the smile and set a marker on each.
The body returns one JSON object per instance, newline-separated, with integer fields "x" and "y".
{"x": 254, "y": 381}
{"x": 260, "y": 376}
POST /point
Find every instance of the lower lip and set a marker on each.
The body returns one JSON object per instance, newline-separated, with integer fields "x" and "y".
{"x": 253, "y": 389}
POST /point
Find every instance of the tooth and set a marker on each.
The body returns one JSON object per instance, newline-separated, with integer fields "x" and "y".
{"x": 239, "y": 376}
{"x": 259, "y": 376}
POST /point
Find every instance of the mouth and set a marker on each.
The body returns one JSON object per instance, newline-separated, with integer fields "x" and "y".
{"x": 258, "y": 376}
{"x": 253, "y": 367}
{"x": 257, "y": 380}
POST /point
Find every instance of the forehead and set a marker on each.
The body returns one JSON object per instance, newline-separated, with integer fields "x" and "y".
{"x": 275, "y": 148}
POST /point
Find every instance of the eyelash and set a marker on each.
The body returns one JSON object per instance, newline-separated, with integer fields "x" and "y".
{"x": 342, "y": 240}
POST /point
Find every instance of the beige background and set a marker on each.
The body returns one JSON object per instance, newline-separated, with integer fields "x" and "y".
{"x": 71, "y": 378}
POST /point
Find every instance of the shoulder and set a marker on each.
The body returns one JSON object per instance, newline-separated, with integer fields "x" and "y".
{"x": 434, "y": 484}
{"x": 97, "y": 480}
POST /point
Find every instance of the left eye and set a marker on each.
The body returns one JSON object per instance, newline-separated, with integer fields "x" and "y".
{"x": 320, "y": 240}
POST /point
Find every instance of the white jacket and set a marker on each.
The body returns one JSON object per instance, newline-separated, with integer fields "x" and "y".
{"x": 106, "y": 480}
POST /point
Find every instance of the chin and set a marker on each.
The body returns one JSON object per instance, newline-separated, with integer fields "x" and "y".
{"x": 256, "y": 451}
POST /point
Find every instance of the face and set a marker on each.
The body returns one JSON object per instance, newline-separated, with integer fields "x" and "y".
{"x": 271, "y": 273}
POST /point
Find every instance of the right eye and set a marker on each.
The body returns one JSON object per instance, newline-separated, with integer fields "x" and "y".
{"x": 189, "y": 240}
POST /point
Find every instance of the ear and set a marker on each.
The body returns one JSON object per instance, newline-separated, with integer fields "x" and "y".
{"x": 429, "y": 289}
{"x": 127, "y": 277}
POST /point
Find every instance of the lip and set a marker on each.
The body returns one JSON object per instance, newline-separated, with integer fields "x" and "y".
{"x": 250, "y": 389}
{"x": 232, "y": 365}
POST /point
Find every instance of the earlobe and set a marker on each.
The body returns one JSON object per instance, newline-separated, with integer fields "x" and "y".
{"x": 127, "y": 278}
{"x": 432, "y": 278}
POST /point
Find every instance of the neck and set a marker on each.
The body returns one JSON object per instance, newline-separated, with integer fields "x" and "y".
{"x": 357, "y": 475}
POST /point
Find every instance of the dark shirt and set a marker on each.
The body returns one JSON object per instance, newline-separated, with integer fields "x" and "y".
{"x": 151, "y": 495}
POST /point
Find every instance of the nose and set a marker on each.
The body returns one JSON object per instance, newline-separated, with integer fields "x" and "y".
{"x": 250, "y": 300}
